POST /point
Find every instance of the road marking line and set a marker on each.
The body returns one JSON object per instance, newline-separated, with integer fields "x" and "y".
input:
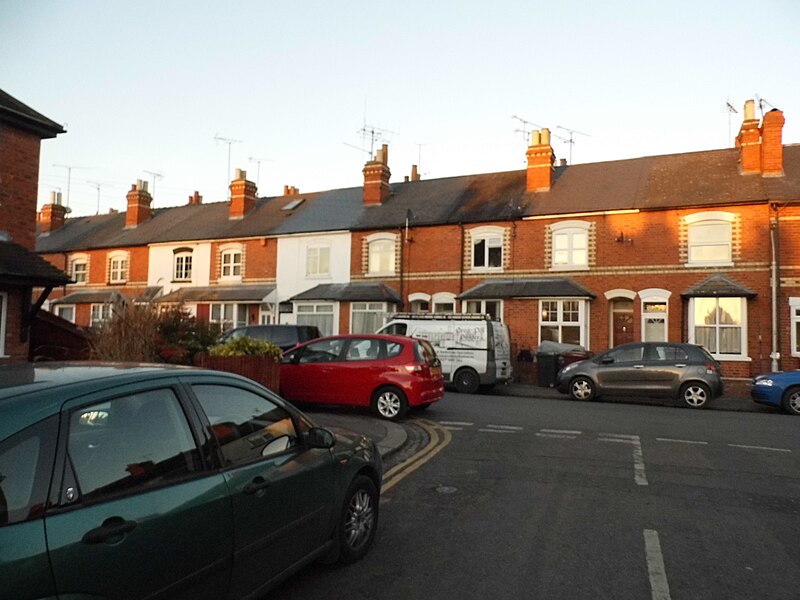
{"x": 457, "y": 423}
{"x": 759, "y": 448}
{"x": 681, "y": 441}
{"x": 399, "y": 472}
{"x": 622, "y": 436}
{"x": 565, "y": 431}
{"x": 509, "y": 427}
{"x": 453, "y": 428}
{"x": 659, "y": 586}
{"x": 497, "y": 431}
{"x": 638, "y": 458}
{"x": 555, "y": 435}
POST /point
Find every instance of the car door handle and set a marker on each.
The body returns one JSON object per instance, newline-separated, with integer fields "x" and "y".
{"x": 258, "y": 484}
{"x": 111, "y": 528}
{"x": 680, "y": 364}
{"x": 638, "y": 366}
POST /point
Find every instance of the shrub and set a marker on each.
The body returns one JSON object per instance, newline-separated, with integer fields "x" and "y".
{"x": 246, "y": 346}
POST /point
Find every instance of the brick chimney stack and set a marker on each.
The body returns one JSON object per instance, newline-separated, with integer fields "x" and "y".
{"x": 540, "y": 162}
{"x": 195, "y": 198}
{"x": 376, "y": 178}
{"x": 139, "y": 200}
{"x": 749, "y": 141}
{"x": 52, "y": 215}
{"x": 772, "y": 144}
{"x": 290, "y": 190}
{"x": 243, "y": 196}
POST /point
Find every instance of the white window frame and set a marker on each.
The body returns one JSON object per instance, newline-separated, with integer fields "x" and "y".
{"x": 492, "y": 237}
{"x": 582, "y": 323}
{"x": 654, "y": 295}
{"x": 439, "y": 299}
{"x": 3, "y": 319}
{"x": 481, "y": 307}
{"x": 118, "y": 267}
{"x": 79, "y": 259}
{"x": 718, "y": 327}
{"x": 106, "y": 310}
{"x": 694, "y": 223}
{"x": 314, "y": 255}
{"x": 316, "y": 311}
{"x": 238, "y": 318}
{"x": 382, "y": 310}
{"x": 794, "y": 320}
{"x": 576, "y": 235}
{"x": 59, "y": 307}
{"x": 182, "y": 265}
{"x": 379, "y": 245}
{"x": 416, "y": 299}
{"x": 231, "y": 251}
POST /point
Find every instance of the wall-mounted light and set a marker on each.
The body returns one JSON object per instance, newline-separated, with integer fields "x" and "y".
{"x": 622, "y": 239}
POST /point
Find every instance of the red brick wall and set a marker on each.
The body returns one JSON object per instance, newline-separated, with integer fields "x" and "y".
{"x": 19, "y": 173}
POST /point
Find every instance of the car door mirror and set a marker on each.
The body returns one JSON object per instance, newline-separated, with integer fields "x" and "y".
{"x": 319, "y": 437}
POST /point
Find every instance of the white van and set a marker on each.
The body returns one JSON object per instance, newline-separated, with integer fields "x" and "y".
{"x": 474, "y": 350}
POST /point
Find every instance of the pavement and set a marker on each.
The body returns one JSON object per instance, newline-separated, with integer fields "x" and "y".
{"x": 391, "y": 436}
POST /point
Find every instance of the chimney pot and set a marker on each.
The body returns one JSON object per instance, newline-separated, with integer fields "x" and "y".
{"x": 241, "y": 174}
{"x": 535, "y": 137}
{"x": 285, "y": 190}
{"x": 545, "y": 136}
{"x": 563, "y": 162}
{"x": 414, "y": 173}
{"x": 749, "y": 110}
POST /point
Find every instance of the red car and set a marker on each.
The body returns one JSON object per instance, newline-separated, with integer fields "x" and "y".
{"x": 388, "y": 373}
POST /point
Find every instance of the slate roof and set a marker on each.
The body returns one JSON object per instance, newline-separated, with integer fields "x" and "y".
{"x": 692, "y": 179}
{"x": 18, "y": 266}
{"x": 721, "y": 286}
{"x": 544, "y": 287}
{"x": 22, "y": 116}
{"x": 90, "y": 297}
{"x": 174, "y": 224}
{"x": 350, "y": 292}
{"x": 240, "y": 293}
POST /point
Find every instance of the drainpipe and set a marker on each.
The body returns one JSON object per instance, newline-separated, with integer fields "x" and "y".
{"x": 775, "y": 243}
{"x": 461, "y": 266}
{"x": 402, "y": 261}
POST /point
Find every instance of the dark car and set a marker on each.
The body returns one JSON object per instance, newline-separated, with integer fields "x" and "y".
{"x": 778, "y": 389}
{"x": 152, "y": 482}
{"x": 686, "y": 372}
{"x": 283, "y": 336}
{"x": 388, "y": 373}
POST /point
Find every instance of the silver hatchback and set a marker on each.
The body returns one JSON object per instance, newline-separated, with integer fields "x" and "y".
{"x": 686, "y": 372}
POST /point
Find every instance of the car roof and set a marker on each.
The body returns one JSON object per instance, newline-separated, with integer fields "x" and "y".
{"x": 30, "y": 392}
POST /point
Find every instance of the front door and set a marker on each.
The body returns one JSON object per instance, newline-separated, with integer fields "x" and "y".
{"x": 621, "y": 321}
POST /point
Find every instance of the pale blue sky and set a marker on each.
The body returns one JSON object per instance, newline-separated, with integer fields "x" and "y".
{"x": 146, "y": 86}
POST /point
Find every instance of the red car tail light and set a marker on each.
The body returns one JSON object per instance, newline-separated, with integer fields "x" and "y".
{"x": 413, "y": 368}
{"x": 711, "y": 368}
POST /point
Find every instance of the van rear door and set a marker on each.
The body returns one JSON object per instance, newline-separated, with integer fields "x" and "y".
{"x": 502, "y": 350}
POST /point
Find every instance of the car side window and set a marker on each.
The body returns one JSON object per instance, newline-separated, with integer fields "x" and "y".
{"x": 26, "y": 461}
{"x": 396, "y": 329}
{"x": 366, "y": 349}
{"x": 322, "y": 351}
{"x": 130, "y": 443}
{"x": 246, "y": 425}
{"x": 666, "y": 353}
{"x": 393, "y": 349}
{"x": 627, "y": 353}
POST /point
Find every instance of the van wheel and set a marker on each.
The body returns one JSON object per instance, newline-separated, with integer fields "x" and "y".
{"x": 389, "y": 403}
{"x": 466, "y": 381}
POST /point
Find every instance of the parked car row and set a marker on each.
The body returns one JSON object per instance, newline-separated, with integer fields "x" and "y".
{"x": 156, "y": 482}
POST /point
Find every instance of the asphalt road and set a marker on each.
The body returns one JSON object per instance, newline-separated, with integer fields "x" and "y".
{"x": 552, "y": 499}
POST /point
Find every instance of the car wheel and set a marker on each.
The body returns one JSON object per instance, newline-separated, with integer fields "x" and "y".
{"x": 791, "y": 401}
{"x": 359, "y": 519}
{"x": 582, "y": 388}
{"x": 466, "y": 381}
{"x": 695, "y": 394}
{"x": 390, "y": 403}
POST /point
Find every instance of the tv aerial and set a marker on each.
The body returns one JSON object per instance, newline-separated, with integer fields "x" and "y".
{"x": 761, "y": 103}
{"x": 525, "y": 130}
{"x": 571, "y": 140}
{"x": 731, "y": 111}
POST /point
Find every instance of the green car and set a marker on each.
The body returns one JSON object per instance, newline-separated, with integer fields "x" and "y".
{"x": 144, "y": 481}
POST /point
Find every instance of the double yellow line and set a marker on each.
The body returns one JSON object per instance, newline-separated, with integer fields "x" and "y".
{"x": 439, "y": 438}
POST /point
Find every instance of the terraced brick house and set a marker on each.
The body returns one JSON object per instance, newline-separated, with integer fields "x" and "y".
{"x": 700, "y": 247}
{"x": 21, "y": 270}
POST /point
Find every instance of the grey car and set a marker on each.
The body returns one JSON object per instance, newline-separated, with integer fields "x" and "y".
{"x": 686, "y": 372}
